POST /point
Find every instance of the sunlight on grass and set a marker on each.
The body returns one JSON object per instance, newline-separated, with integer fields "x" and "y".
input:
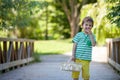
{"x": 53, "y": 46}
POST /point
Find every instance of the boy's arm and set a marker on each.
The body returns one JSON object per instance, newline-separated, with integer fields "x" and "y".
{"x": 89, "y": 32}
{"x": 73, "y": 51}
{"x": 92, "y": 40}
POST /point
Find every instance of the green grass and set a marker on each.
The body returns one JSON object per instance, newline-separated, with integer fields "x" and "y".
{"x": 53, "y": 46}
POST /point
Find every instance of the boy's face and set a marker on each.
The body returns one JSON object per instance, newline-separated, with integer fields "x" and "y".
{"x": 87, "y": 26}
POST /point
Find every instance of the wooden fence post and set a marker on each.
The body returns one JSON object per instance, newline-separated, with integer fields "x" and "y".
{"x": 15, "y": 52}
{"x": 113, "y": 49}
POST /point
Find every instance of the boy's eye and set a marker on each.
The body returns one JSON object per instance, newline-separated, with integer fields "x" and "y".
{"x": 86, "y": 24}
{"x": 90, "y": 25}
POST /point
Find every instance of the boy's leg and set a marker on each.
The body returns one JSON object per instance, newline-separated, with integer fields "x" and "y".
{"x": 85, "y": 70}
{"x": 75, "y": 75}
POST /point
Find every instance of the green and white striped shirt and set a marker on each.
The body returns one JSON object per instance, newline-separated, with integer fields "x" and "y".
{"x": 84, "y": 46}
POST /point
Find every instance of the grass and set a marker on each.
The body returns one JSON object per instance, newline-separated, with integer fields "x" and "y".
{"x": 53, "y": 46}
{"x": 36, "y": 58}
{"x": 49, "y": 47}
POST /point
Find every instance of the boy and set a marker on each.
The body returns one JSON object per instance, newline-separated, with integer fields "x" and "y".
{"x": 82, "y": 48}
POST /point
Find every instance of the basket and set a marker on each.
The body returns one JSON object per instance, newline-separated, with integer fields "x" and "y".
{"x": 71, "y": 66}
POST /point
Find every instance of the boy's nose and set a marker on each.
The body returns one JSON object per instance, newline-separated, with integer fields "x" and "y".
{"x": 87, "y": 27}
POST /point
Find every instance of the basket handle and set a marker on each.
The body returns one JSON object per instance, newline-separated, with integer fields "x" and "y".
{"x": 69, "y": 60}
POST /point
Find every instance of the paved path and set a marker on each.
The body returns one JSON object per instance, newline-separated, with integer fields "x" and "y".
{"x": 49, "y": 69}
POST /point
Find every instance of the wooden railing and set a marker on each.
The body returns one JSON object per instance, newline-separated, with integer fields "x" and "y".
{"x": 113, "y": 49}
{"x": 15, "y": 52}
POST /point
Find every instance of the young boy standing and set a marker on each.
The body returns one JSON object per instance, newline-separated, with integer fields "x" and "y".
{"x": 82, "y": 48}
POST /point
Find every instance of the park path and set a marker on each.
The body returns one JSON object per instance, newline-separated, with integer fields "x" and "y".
{"x": 49, "y": 68}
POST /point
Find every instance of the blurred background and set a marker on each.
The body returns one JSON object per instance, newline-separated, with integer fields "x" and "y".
{"x": 53, "y": 23}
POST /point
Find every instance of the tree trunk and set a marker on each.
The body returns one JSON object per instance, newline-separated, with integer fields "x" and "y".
{"x": 46, "y": 31}
{"x": 74, "y": 28}
{"x": 72, "y": 10}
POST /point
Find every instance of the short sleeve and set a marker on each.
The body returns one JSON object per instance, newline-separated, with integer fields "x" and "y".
{"x": 76, "y": 38}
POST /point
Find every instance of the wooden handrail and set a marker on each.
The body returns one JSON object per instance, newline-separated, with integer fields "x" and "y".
{"x": 15, "y": 52}
{"x": 113, "y": 49}
{"x": 14, "y": 39}
{"x": 113, "y": 40}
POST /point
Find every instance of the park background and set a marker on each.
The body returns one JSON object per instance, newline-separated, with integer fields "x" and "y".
{"x": 53, "y": 23}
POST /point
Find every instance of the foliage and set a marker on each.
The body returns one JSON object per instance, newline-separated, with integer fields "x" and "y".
{"x": 113, "y": 11}
{"x": 57, "y": 23}
{"x": 102, "y": 27}
{"x": 62, "y": 24}
{"x": 38, "y": 19}
{"x": 19, "y": 13}
{"x": 47, "y": 18}
{"x": 36, "y": 58}
{"x": 27, "y": 19}
{"x": 72, "y": 10}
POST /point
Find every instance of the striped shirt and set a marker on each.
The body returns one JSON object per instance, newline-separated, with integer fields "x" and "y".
{"x": 84, "y": 46}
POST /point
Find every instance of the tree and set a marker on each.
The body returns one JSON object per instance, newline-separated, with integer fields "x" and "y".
{"x": 102, "y": 27}
{"x": 72, "y": 10}
{"x": 19, "y": 13}
{"x": 114, "y": 11}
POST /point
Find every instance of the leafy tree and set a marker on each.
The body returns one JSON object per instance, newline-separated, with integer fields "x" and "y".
{"x": 72, "y": 10}
{"x": 19, "y": 13}
{"x": 102, "y": 27}
{"x": 56, "y": 21}
{"x": 114, "y": 11}
{"x": 61, "y": 28}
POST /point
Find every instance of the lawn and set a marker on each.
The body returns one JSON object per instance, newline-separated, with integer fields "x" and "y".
{"x": 53, "y": 46}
